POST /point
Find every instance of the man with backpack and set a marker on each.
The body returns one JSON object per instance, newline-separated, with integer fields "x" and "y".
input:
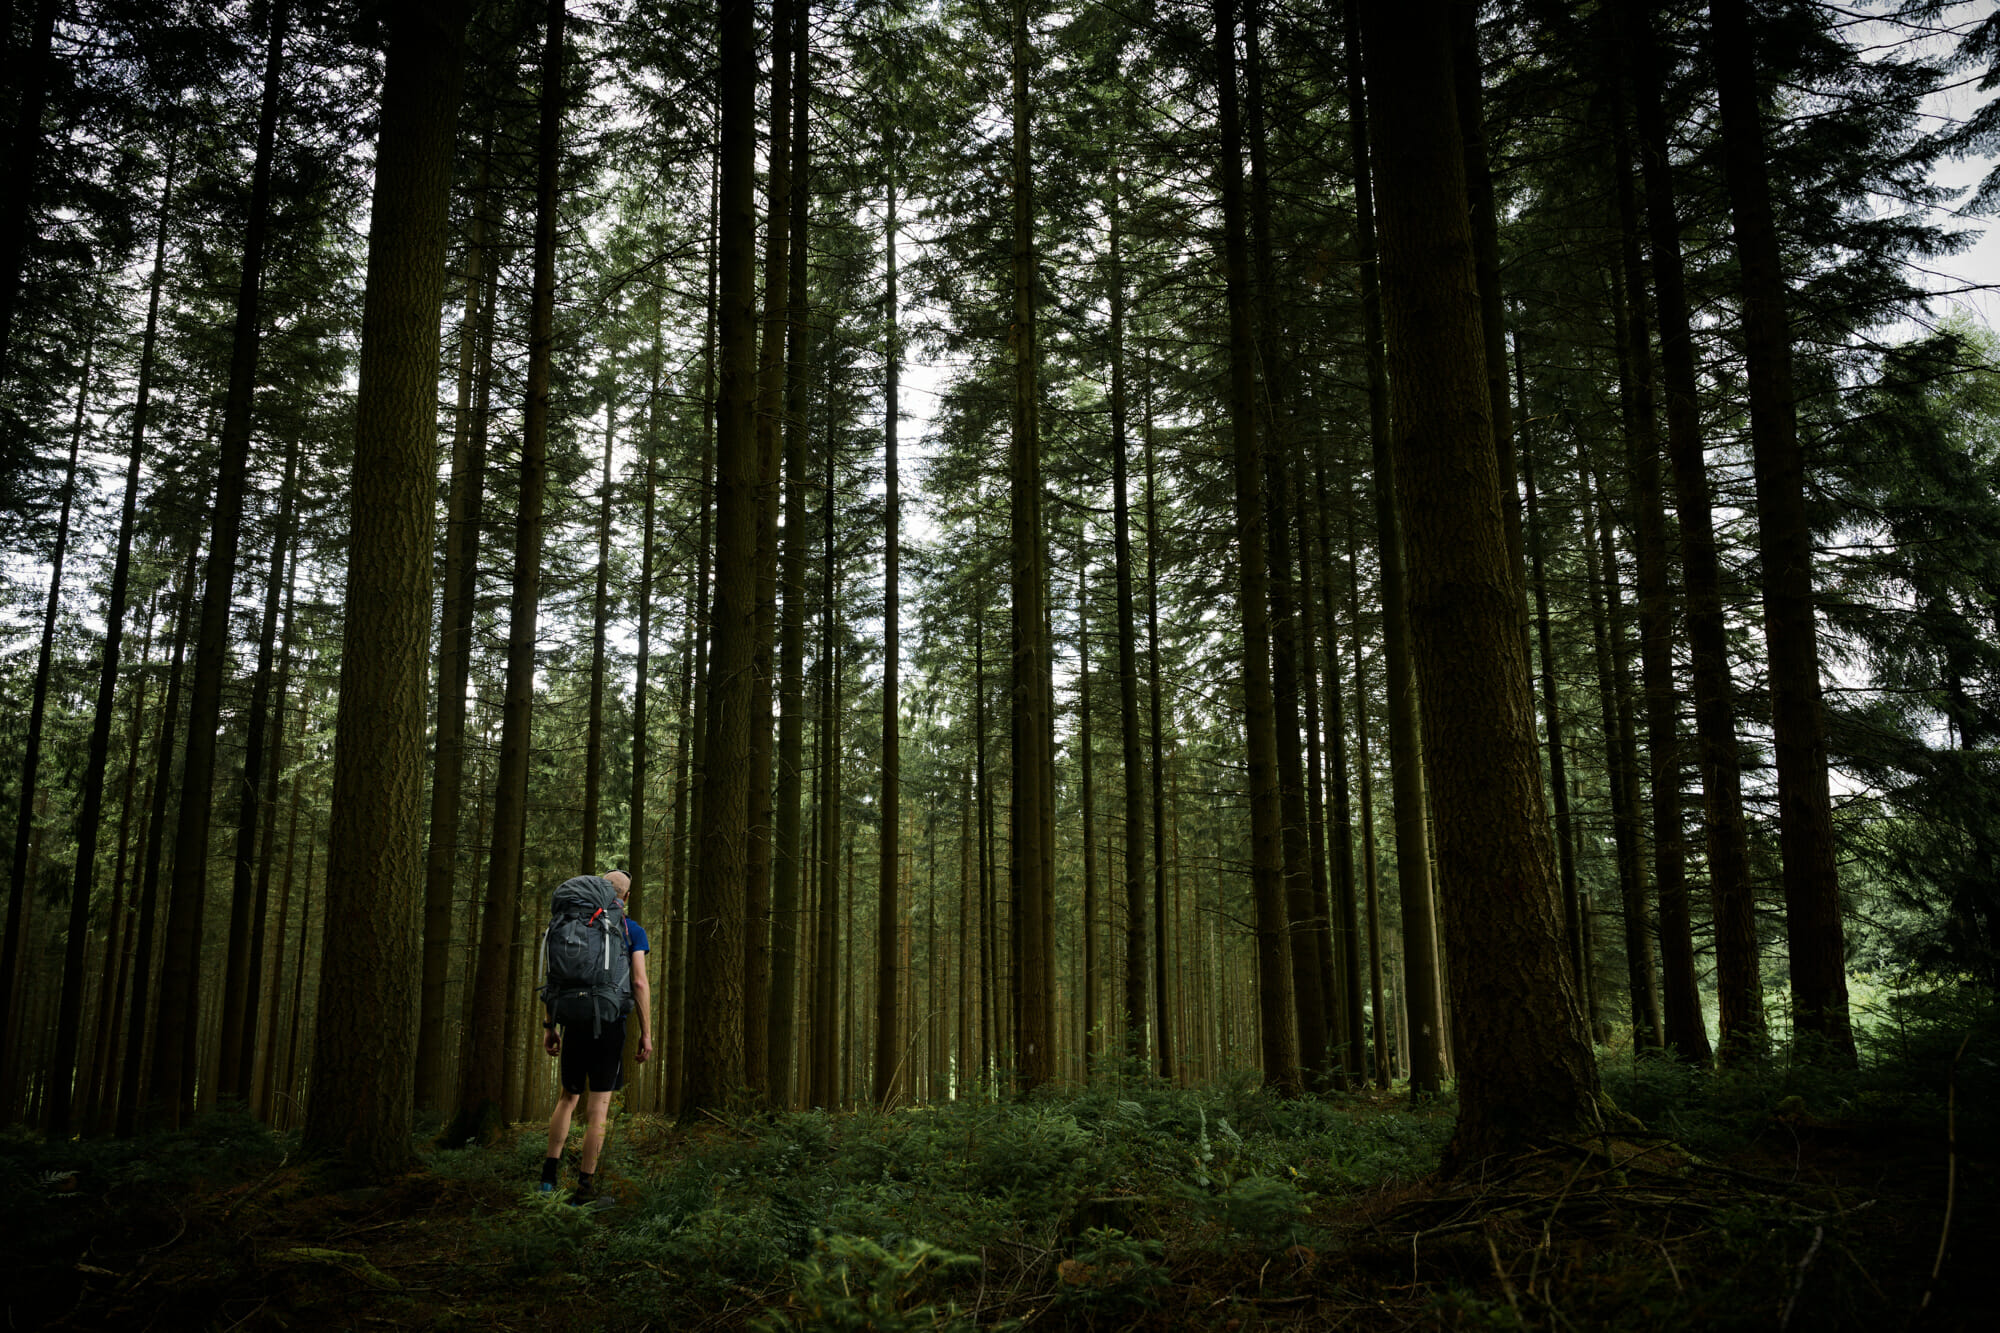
{"x": 594, "y": 961}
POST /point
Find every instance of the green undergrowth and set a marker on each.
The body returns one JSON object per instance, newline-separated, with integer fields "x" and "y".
{"x": 1787, "y": 1193}
{"x": 1058, "y": 1206}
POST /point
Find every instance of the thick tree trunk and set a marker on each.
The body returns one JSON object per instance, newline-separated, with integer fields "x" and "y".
{"x": 1524, "y": 1060}
{"x": 364, "y": 1046}
{"x": 715, "y": 1039}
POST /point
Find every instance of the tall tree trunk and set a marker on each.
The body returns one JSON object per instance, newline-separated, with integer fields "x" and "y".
{"x": 90, "y": 813}
{"x": 1346, "y": 899}
{"x": 989, "y": 957}
{"x": 1267, "y": 857}
{"x": 132, "y": 1087}
{"x": 1614, "y": 686}
{"x": 1406, "y": 773}
{"x": 363, "y": 1067}
{"x": 465, "y": 507}
{"x": 110, "y": 1042}
{"x": 1467, "y": 90}
{"x": 23, "y": 165}
{"x": 1305, "y": 909}
{"x": 68, "y": 1022}
{"x": 244, "y": 979}
{"x": 1524, "y": 1060}
{"x": 1032, "y": 872}
{"x": 1552, "y": 716}
{"x": 888, "y": 981}
{"x": 716, "y": 947}
{"x": 264, "y": 983}
{"x": 1086, "y": 745}
{"x": 1739, "y": 989}
{"x": 1680, "y": 989}
{"x": 175, "y": 1053}
{"x": 786, "y": 848}
{"x": 1814, "y": 932}
{"x": 637, "y": 834}
{"x": 770, "y": 401}
{"x": 1163, "y": 1042}
{"x": 482, "y": 1081}
{"x": 1371, "y": 882}
{"x": 1132, "y": 760}
{"x": 600, "y": 617}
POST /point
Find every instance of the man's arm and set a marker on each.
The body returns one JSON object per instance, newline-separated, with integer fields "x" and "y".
{"x": 642, "y": 1005}
{"x": 551, "y": 1039}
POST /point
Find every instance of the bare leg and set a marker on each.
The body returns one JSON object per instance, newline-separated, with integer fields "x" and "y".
{"x": 559, "y": 1122}
{"x": 596, "y": 1108}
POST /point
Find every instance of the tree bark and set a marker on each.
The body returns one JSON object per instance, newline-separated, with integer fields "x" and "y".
{"x": 1524, "y": 1061}
{"x": 364, "y": 1047}
{"x": 715, "y": 1039}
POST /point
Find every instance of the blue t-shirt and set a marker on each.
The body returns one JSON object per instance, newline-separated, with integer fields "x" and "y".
{"x": 635, "y": 935}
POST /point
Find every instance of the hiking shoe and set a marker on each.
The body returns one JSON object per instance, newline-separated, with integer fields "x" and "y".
{"x": 590, "y": 1197}
{"x": 545, "y": 1187}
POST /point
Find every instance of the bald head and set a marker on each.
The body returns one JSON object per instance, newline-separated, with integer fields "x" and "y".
{"x": 620, "y": 881}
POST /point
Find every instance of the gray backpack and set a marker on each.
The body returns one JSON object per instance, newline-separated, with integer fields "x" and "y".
{"x": 586, "y": 955}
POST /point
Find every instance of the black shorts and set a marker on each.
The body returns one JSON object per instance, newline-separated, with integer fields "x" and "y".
{"x": 598, "y": 1060}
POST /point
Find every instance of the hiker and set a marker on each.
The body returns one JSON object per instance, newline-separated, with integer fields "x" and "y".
{"x": 592, "y": 1054}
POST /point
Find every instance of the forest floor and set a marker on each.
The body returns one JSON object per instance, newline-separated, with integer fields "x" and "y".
{"x": 1765, "y": 1201}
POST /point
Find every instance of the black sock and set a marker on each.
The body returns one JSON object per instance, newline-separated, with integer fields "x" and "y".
{"x": 583, "y": 1179}
{"x": 550, "y": 1165}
